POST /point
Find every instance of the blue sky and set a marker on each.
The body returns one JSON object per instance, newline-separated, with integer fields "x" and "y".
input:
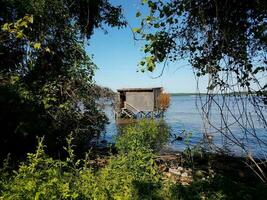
{"x": 117, "y": 56}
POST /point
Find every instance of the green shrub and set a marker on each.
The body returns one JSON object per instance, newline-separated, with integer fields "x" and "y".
{"x": 41, "y": 177}
{"x": 128, "y": 175}
{"x": 131, "y": 174}
{"x": 145, "y": 135}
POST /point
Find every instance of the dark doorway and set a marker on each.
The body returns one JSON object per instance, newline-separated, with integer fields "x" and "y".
{"x": 122, "y": 99}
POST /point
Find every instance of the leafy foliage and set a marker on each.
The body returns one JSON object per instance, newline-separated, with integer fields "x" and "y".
{"x": 131, "y": 175}
{"x": 217, "y": 37}
{"x": 147, "y": 135}
{"x": 46, "y": 76}
{"x": 225, "y": 42}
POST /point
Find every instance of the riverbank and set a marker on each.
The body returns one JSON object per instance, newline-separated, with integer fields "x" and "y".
{"x": 185, "y": 168}
{"x": 132, "y": 169}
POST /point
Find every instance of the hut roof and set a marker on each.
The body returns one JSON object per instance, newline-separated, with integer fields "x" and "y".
{"x": 139, "y": 89}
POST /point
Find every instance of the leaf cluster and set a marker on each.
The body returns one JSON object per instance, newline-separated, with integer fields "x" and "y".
{"x": 128, "y": 175}
{"x": 145, "y": 135}
{"x": 46, "y": 75}
{"x": 216, "y": 37}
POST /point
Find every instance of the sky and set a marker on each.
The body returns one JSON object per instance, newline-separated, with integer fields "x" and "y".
{"x": 117, "y": 55}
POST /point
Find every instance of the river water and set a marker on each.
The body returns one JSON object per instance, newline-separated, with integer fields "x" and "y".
{"x": 184, "y": 115}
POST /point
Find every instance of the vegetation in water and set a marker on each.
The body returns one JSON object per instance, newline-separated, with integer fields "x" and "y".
{"x": 145, "y": 135}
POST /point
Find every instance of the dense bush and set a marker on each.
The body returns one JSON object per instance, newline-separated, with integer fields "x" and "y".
{"x": 46, "y": 75}
{"x": 131, "y": 174}
{"x": 128, "y": 175}
{"x": 145, "y": 135}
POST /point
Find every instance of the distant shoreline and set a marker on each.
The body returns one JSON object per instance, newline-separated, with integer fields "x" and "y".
{"x": 186, "y": 94}
{"x": 202, "y": 94}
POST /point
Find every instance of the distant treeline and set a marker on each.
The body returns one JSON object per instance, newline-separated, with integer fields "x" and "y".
{"x": 230, "y": 93}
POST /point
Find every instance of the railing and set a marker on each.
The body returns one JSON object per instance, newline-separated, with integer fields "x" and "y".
{"x": 132, "y": 108}
{"x": 132, "y": 112}
{"x": 128, "y": 113}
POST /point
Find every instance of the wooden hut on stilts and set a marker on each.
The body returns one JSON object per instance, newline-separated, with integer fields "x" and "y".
{"x": 139, "y": 103}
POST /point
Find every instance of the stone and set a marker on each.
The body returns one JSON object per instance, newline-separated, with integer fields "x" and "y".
{"x": 184, "y": 174}
{"x": 180, "y": 168}
{"x": 185, "y": 183}
{"x": 200, "y": 173}
{"x": 168, "y": 174}
{"x": 163, "y": 168}
{"x": 175, "y": 171}
{"x": 186, "y": 180}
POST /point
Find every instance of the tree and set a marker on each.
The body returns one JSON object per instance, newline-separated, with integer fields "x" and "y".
{"x": 224, "y": 40}
{"x": 46, "y": 74}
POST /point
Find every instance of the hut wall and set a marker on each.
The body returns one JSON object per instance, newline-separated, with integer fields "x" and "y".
{"x": 143, "y": 101}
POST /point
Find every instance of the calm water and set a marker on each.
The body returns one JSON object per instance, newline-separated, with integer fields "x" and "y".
{"x": 183, "y": 114}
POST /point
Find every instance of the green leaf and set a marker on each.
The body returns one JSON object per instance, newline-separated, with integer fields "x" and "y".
{"x": 5, "y": 27}
{"x": 136, "y": 30}
{"x": 138, "y": 14}
{"x": 28, "y": 18}
{"x": 37, "y": 45}
{"x": 156, "y": 25}
{"x": 23, "y": 24}
{"x": 47, "y": 50}
{"x": 19, "y": 35}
